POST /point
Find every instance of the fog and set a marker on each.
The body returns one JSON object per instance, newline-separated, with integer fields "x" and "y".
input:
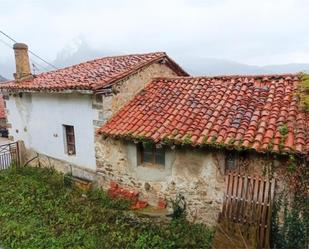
{"x": 205, "y": 37}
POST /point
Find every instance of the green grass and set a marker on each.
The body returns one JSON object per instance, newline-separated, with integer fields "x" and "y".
{"x": 38, "y": 211}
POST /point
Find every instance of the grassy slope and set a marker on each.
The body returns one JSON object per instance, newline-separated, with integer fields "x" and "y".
{"x": 38, "y": 211}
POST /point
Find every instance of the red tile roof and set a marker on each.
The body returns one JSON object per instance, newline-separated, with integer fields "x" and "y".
{"x": 91, "y": 75}
{"x": 2, "y": 108}
{"x": 256, "y": 112}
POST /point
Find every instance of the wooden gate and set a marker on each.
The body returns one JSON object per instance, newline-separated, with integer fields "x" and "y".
{"x": 248, "y": 202}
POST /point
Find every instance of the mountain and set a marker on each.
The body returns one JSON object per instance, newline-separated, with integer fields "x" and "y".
{"x": 288, "y": 68}
{"x": 76, "y": 52}
{"x": 7, "y": 67}
{"x": 213, "y": 66}
{"x": 79, "y": 51}
{"x": 2, "y": 78}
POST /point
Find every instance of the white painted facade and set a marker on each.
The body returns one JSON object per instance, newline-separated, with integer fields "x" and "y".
{"x": 38, "y": 119}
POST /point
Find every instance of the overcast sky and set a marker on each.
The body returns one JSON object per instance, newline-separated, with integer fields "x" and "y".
{"x": 255, "y": 32}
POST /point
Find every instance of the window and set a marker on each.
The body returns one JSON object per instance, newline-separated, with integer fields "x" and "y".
{"x": 230, "y": 162}
{"x": 149, "y": 154}
{"x": 236, "y": 161}
{"x": 69, "y": 139}
{"x": 98, "y": 98}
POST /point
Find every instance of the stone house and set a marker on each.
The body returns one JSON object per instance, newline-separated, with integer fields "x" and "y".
{"x": 56, "y": 113}
{"x": 183, "y": 134}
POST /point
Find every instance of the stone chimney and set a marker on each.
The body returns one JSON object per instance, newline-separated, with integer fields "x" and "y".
{"x": 23, "y": 71}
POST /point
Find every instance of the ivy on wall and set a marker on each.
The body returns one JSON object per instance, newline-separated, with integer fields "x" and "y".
{"x": 290, "y": 216}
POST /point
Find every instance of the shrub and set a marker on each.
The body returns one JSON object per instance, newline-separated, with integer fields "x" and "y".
{"x": 179, "y": 206}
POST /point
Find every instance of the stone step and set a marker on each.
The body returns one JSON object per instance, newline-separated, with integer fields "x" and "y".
{"x": 153, "y": 212}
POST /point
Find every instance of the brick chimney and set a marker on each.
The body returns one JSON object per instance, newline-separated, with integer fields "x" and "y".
{"x": 23, "y": 71}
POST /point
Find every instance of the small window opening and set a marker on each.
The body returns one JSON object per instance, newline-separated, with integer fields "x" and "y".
{"x": 69, "y": 140}
{"x": 149, "y": 154}
{"x": 230, "y": 162}
{"x": 98, "y": 98}
{"x": 236, "y": 161}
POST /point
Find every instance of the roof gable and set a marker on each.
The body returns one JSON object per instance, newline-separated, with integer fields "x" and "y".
{"x": 254, "y": 112}
{"x": 91, "y": 75}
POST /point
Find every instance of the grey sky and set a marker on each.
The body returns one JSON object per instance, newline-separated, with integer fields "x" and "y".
{"x": 248, "y": 31}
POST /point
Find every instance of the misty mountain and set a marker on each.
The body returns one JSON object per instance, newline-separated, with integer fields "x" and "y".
{"x": 79, "y": 51}
{"x": 212, "y": 66}
{"x": 2, "y": 78}
{"x": 7, "y": 67}
{"x": 288, "y": 68}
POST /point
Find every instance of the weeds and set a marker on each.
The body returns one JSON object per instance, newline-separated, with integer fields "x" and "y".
{"x": 37, "y": 210}
{"x": 179, "y": 206}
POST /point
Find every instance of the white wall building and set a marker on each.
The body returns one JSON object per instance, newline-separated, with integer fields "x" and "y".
{"x": 56, "y": 113}
{"x": 39, "y": 119}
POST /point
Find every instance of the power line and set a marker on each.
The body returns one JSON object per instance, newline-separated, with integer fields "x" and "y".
{"x": 35, "y": 68}
{"x": 8, "y": 36}
{"x": 42, "y": 59}
{"x": 33, "y": 62}
{"x": 6, "y": 44}
{"x": 31, "y": 59}
{"x": 39, "y": 64}
{"x": 31, "y": 52}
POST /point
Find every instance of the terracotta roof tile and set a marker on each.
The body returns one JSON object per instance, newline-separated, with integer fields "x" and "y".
{"x": 236, "y": 111}
{"x": 91, "y": 75}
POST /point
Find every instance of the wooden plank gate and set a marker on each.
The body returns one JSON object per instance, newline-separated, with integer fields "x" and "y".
{"x": 9, "y": 154}
{"x": 248, "y": 203}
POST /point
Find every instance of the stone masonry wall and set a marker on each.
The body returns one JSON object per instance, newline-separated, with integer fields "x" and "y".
{"x": 199, "y": 175}
{"x": 34, "y": 159}
{"x": 106, "y": 105}
{"x": 3, "y": 123}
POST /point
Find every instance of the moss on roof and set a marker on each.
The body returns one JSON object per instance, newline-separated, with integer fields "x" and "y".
{"x": 304, "y": 91}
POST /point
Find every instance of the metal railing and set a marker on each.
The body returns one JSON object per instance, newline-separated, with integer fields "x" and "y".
{"x": 9, "y": 154}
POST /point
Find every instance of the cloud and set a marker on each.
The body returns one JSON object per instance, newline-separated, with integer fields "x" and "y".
{"x": 249, "y": 31}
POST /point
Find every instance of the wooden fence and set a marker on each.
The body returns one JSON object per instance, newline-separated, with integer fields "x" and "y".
{"x": 248, "y": 201}
{"x": 9, "y": 154}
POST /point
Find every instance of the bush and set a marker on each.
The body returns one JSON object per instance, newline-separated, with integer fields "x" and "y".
{"x": 179, "y": 207}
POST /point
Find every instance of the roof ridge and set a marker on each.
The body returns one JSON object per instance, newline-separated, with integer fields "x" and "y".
{"x": 227, "y": 76}
{"x": 93, "y": 74}
{"x": 144, "y": 64}
{"x": 163, "y": 54}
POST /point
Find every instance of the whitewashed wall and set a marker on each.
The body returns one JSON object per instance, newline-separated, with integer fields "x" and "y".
{"x": 38, "y": 120}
